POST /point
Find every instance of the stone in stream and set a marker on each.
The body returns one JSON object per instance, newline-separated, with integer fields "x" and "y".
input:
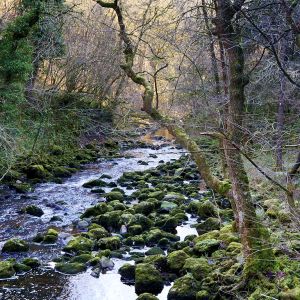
{"x": 148, "y": 279}
{"x": 70, "y": 268}
{"x": 106, "y": 263}
{"x": 32, "y": 210}
{"x": 176, "y": 260}
{"x": 146, "y": 296}
{"x": 6, "y": 269}
{"x": 79, "y": 244}
{"x": 95, "y": 183}
{"x": 127, "y": 272}
{"x": 15, "y": 245}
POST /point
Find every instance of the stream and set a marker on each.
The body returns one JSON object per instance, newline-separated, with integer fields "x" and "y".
{"x": 68, "y": 201}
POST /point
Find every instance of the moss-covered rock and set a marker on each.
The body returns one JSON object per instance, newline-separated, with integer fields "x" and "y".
{"x": 96, "y": 210}
{"x": 82, "y": 258}
{"x": 148, "y": 279}
{"x": 70, "y": 268}
{"x": 206, "y": 246}
{"x": 127, "y": 272}
{"x": 32, "y": 210}
{"x": 135, "y": 229}
{"x": 167, "y": 206}
{"x": 109, "y": 220}
{"x": 154, "y": 251}
{"x": 15, "y": 245}
{"x": 207, "y": 209}
{"x": 50, "y": 237}
{"x": 198, "y": 267}
{"x": 111, "y": 243}
{"x": 208, "y": 225}
{"x": 21, "y": 268}
{"x": 174, "y": 197}
{"x": 114, "y": 196}
{"x": 37, "y": 172}
{"x": 79, "y": 244}
{"x": 146, "y": 296}
{"x": 203, "y": 295}
{"x": 144, "y": 208}
{"x": 95, "y": 183}
{"x": 31, "y": 262}
{"x": 6, "y": 269}
{"x": 139, "y": 219}
{"x": 176, "y": 260}
{"x": 158, "y": 260}
{"x": 234, "y": 248}
{"x": 98, "y": 233}
{"x": 184, "y": 288}
{"x": 159, "y": 195}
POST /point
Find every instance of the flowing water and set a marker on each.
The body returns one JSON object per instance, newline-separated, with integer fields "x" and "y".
{"x": 68, "y": 201}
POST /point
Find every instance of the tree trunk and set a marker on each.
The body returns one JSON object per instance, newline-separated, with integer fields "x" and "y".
{"x": 254, "y": 236}
{"x": 281, "y": 108}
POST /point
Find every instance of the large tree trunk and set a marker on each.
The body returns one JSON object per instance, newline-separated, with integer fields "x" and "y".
{"x": 254, "y": 237}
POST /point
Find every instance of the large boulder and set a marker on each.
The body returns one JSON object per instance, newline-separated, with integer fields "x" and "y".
{"x": 207, "y": 246}
{"x": 6, "y": 269}
{"x": 208, "y": 225}
{"x": 198, "y": 267}
{"x": 207, "y": 209}
{"x": 127, "y": 272}
{"x": 184, "y": 288}
{"x": 70, "y": 268}
{"x": 176, "y": 260}
{"x": 96, "y": 210}
{"x": 79, "y": 244}
{"x": 111, "y": 243}
{"x": 32, "y": 210}
{"x": 148, "y": 279}
{"x": 15, "y": 245}
{"x": 114, "y": 196}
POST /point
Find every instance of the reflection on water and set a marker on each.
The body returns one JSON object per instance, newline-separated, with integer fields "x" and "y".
{"x": 162, "y": 132}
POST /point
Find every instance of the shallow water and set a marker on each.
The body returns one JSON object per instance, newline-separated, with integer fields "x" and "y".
{"x": 68, "y": 201}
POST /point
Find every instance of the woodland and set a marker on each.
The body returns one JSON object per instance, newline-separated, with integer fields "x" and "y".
{"x": 149, "y": 149}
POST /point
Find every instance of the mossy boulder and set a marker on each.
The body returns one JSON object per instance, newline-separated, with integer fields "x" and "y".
{"x": 96, "y": 210}
{"x": 94, "y": 183}
{"x": 135, "y": 229}
{"x": 167, "y": 206}
{"x": 208, "y": 225}
{"x": 148, "y": 279}
{"x": 174, "y": 197}
{"x": 159, "y": 195}
{"x": 198, "y": 267}
{"x": 144, "y": 208}
{"x": 31, "y": 262}
{"x": 111, "y": 243}
{"x": 32, "y": 210}
{"x": 114, "y": 196}
{"x": 21, "y": 268}
{"x": 15, "y": 245}
{"x": 203, "y": 295}
{"x": 98, "y": 233}
{"x": 153, "y": 236}
{"x": 6, "y": 269}
{"x": 139, "y": 219}
{"x": 79, "y": 244}
{"x": 207, "y": 209}
{"x": 109, "y": 220}
{"x": 167, "y": 223}
{"x": 184, "y": 288}
{"x": 82, "y": 258}
{"x": 207, "y": 246}
{"x": 154, "y": 251}
{"x": 127, "y": 272}
{"x": 234, "y": 248}
{"x": 50, "y": 237}
{"x": 70, "y": 268}
{"x": 176, "y": 260}
{"x": 146, "y": 296}
{"x": 193, "y": 207}
{"x": 37, "y": 172}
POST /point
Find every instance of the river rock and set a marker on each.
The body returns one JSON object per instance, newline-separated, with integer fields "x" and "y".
{"x": 148, "y": 279}
{"x": 106, "y": 263}
{"x": 146, "y": 296}
{"x": 127, "y": 272}
{"x": 15, "y": 245}
{"x": 79, "y": 244}
{"x": 32, "y": 210}
{"x": 6, "y": 269}
{"x": 70, "y": 268}
{"x": 176, "y": 260}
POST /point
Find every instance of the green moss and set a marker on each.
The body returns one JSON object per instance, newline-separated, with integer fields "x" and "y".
{"x": 198, "y": 267}
{"x": 70, "y": 268}
{"x": 176, "y": 260}
{"x": 111, "y": 243}
{"x": 6, "y": 269}
{"x": 127, "y": 272}
{"x": 114, "y": 196}
{"x": 32, "y": 210}
{"x": 79, "y": 244}
{"x": 95, "y": 183}
{"x": 206, "y": 246}
{"x": 31, "y": 262}
{"x": 96, "y": 210}
{"x": 148, "y": 279}
{"x": 15, "y": 245}
{"x": 146, "y": 296}
{"x": 83, "y": 258}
